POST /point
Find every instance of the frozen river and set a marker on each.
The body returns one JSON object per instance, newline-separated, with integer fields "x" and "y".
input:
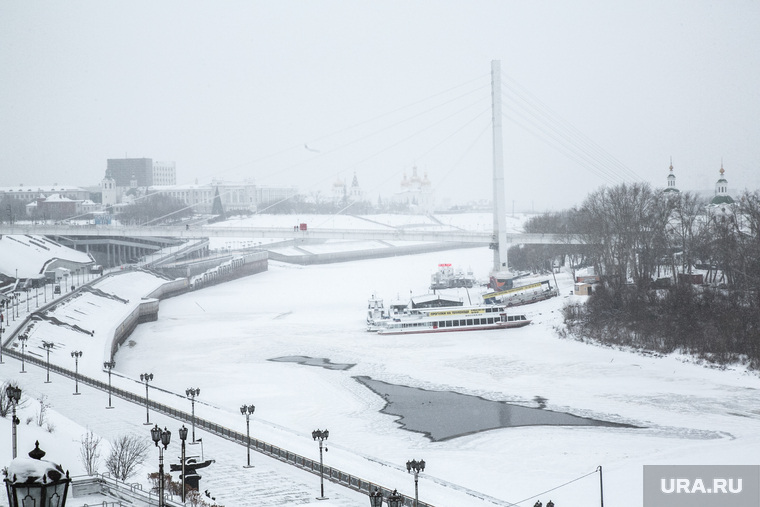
{"x": 222, "y": 339}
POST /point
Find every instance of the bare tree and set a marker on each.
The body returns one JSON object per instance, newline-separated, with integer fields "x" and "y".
{"x": 89, "y": 452}
{"x": 127, "y": 453}
{"x": 42, "y": 414}
{"x": 683, "y": 229}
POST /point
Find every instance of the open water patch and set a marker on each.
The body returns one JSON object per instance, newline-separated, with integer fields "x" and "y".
{"x": 313, "y": 361}
{"x": 443, "y": 415}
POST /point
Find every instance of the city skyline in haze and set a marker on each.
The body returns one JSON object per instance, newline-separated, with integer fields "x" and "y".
{"x": 307, "y": 93}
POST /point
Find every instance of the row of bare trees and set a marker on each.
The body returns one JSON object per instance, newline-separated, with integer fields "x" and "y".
{"x": 633, "y": 235}
{"x": 155, "y": 208}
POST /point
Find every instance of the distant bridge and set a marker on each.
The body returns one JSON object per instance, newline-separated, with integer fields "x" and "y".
{"x": 441, "y": 235}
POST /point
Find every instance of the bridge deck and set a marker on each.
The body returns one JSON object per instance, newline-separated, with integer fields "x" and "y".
{"x": 447, "y": 235}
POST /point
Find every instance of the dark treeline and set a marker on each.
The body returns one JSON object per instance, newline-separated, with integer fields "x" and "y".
{"x": 155, "y": 209}
{"x": 642, "y": 242}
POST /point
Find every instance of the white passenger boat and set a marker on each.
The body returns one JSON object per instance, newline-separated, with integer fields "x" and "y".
{"x": 456, "y": 318}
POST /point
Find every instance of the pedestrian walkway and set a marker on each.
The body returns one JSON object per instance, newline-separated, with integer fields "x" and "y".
{"x": 331, "y": 474}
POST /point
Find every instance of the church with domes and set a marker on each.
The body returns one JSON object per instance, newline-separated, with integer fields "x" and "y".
{"x": 671, "y": 189}
{"x": 720, "y": 200}
{"x": 416, "y": 192}
{"x": 721, "y": 190}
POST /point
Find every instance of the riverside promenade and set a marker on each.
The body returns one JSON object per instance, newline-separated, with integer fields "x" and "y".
{"x": 145, "y": 311}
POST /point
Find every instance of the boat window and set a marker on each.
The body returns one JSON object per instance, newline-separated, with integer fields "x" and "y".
{"x": 469, "y": 322}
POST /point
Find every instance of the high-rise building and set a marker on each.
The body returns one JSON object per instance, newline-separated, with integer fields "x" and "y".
{"x": 164, "y": 173}
{"x": 124, "y": 170}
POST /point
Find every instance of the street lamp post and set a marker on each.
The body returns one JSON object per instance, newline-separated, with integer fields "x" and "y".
{"x": 376, "y": 498}
{"x": 1, "y": 341}
{"x": 27, "y": 299}
{"x": 164, "y": 437}
{"x": 247, "y": 411}
{"x": 395, "y": 500}
{"x": 38, "y": 482}
{"x": 321, "y": 436}
{"x": 192, "y": 393}
{"x": 146, "y": 377}
{"x": 14, "y": 396}
{"x": 47, "y": 346}
{"x": 23, "y": 339}
{"x": 183, "y": 437}
{"x": 109, "y": 365}
{"x": 416, "y": 467}
{"x": 76, "y": 354}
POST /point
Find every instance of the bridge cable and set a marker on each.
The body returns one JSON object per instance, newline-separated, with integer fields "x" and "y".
{"x": 556, "y": 487}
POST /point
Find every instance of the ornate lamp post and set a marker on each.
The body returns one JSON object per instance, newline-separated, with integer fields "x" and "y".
{"x": 146, "y": 377}
{"x": 23, "y": 339}
{"x": 47, "y": 346}
{"x": 192, "y": 393}
{"x": 42, "y": 484}
{"x": 76, "y": 354}
{"x": 183, "y": 437}
{"x": 376, "y": 498}
{"x": 109, "y": 365}
{"x": 395, "y": 500}
{"x": 1, "y": 340}
{"x": 416, "y": 467}
{"x": 14, "y": 396}
{"x": 321, "y": 436}
{"x": 164, "y": 437}
{"x": 247, "y": 411}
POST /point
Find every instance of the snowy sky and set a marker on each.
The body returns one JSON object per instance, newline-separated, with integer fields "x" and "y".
{"x": 238, "y": 89}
